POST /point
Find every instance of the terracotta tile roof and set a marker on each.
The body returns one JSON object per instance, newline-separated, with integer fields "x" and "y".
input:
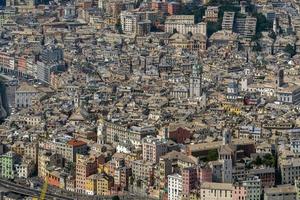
{"x": 76, "y": 143}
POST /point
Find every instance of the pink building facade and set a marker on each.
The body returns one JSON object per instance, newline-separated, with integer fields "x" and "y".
{"x": 192, "y": 177}
{"x": 239, "y": 193}
{"x": 205, "y": 174}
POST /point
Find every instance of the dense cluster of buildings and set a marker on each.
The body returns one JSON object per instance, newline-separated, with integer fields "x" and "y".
{"x": 127, "y": 97}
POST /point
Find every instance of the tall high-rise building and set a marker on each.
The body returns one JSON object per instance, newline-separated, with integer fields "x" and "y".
{"x": 245, "y": 26}
{"x": 228, "y": 21}
{"x": 174, "y": 187}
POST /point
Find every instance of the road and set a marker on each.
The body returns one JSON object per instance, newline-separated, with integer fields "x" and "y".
{"x": 21, "y": 189}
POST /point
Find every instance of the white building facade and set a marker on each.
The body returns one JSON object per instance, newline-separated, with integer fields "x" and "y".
{"x": 174, "y": 187}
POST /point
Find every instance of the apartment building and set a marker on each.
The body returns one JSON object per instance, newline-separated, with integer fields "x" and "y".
{"x": 289, "y": 170}
{"x": 266, "y": 176}
{"x": 104, "y": 184}
{"x": 68, "y": 148}
{"x": 281, "y": 192}
{"x": 252, "y": 185}
{"x": 85, "y": 166}
{"x": 7, "y": 61}
{"x": 211, "y": 14}
{"x": 8, "y": 162}
{"x": 133, "y": 23}
{"x": 239, "y": 192}
{"x": 216, "y": 191}
{"x": 26, "y": 168}
{"x": 174, "y": 8}
{"x": 129, "y": 22}
{"x": 164, "y": 169}
{"x": 114, "y": 133}
{"x": 192, "y": 177}
{"x": 295, "y": 145}
{"x": 99, "y": 184}
{"x": 174, "y": 187}
{"x": 289, "y": 95}
{"x": 46, "y": 159}
{"x": 30, "y": 150}
{"x": 245, "y": 26}
{"x": 184, "y": 24}
{"x": 228, "y": 21}
{"x": 189, "y": 180}
{"x": 24, "y": 95}
{"x": 182, "y": 19}
{"x": 91, "y": 185}
{"x": 153, "y": 148}
{"x": 142, "y": 170}
{"x": 121, "y": 177}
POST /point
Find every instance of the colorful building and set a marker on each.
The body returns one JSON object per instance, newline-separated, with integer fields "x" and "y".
{"x": 53, "y": 178}
{"x": 180, "y": 134}
{"x": 239, "y": 192}
{"x": 85, "y": 166}
{"x": 105, "y": 184}
{"x": 68, "y": 148}
{"x": 253, "y": 187}
{"x": 91, "y": 185}
{"x": 8, "y": 162}
{"x": 153, "y": 148}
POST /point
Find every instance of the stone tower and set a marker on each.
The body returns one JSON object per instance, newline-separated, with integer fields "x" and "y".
{"x": 226, "y": 136}
{"x": 225, "y": 156}
{"x": 280, "y": 78}
{"x": 101, "y": 132}
{"x": 76, "y": 100}
{"x": 196, "y": 81}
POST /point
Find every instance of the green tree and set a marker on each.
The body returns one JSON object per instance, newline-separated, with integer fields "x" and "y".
{"x": 272, "y": 35}
{"x": 262, "y": 23}
{"x": 256, "y": 47}
{"x": 213, "y": 27}
{"x": 269, "y": 160}
{"x": 212, "y": 155}
{"x": 258, "y": 161}
{"x": 70, "y": 167}
{"x": 115, "y": 198}
{"x": 138, "y": 3}
{"x": 118, "y": 26}
{"x": 161, "y": 43}
{"x": 290, "y": 49}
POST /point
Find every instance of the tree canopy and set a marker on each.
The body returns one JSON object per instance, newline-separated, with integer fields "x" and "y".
{"x": 290, "y": 49}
